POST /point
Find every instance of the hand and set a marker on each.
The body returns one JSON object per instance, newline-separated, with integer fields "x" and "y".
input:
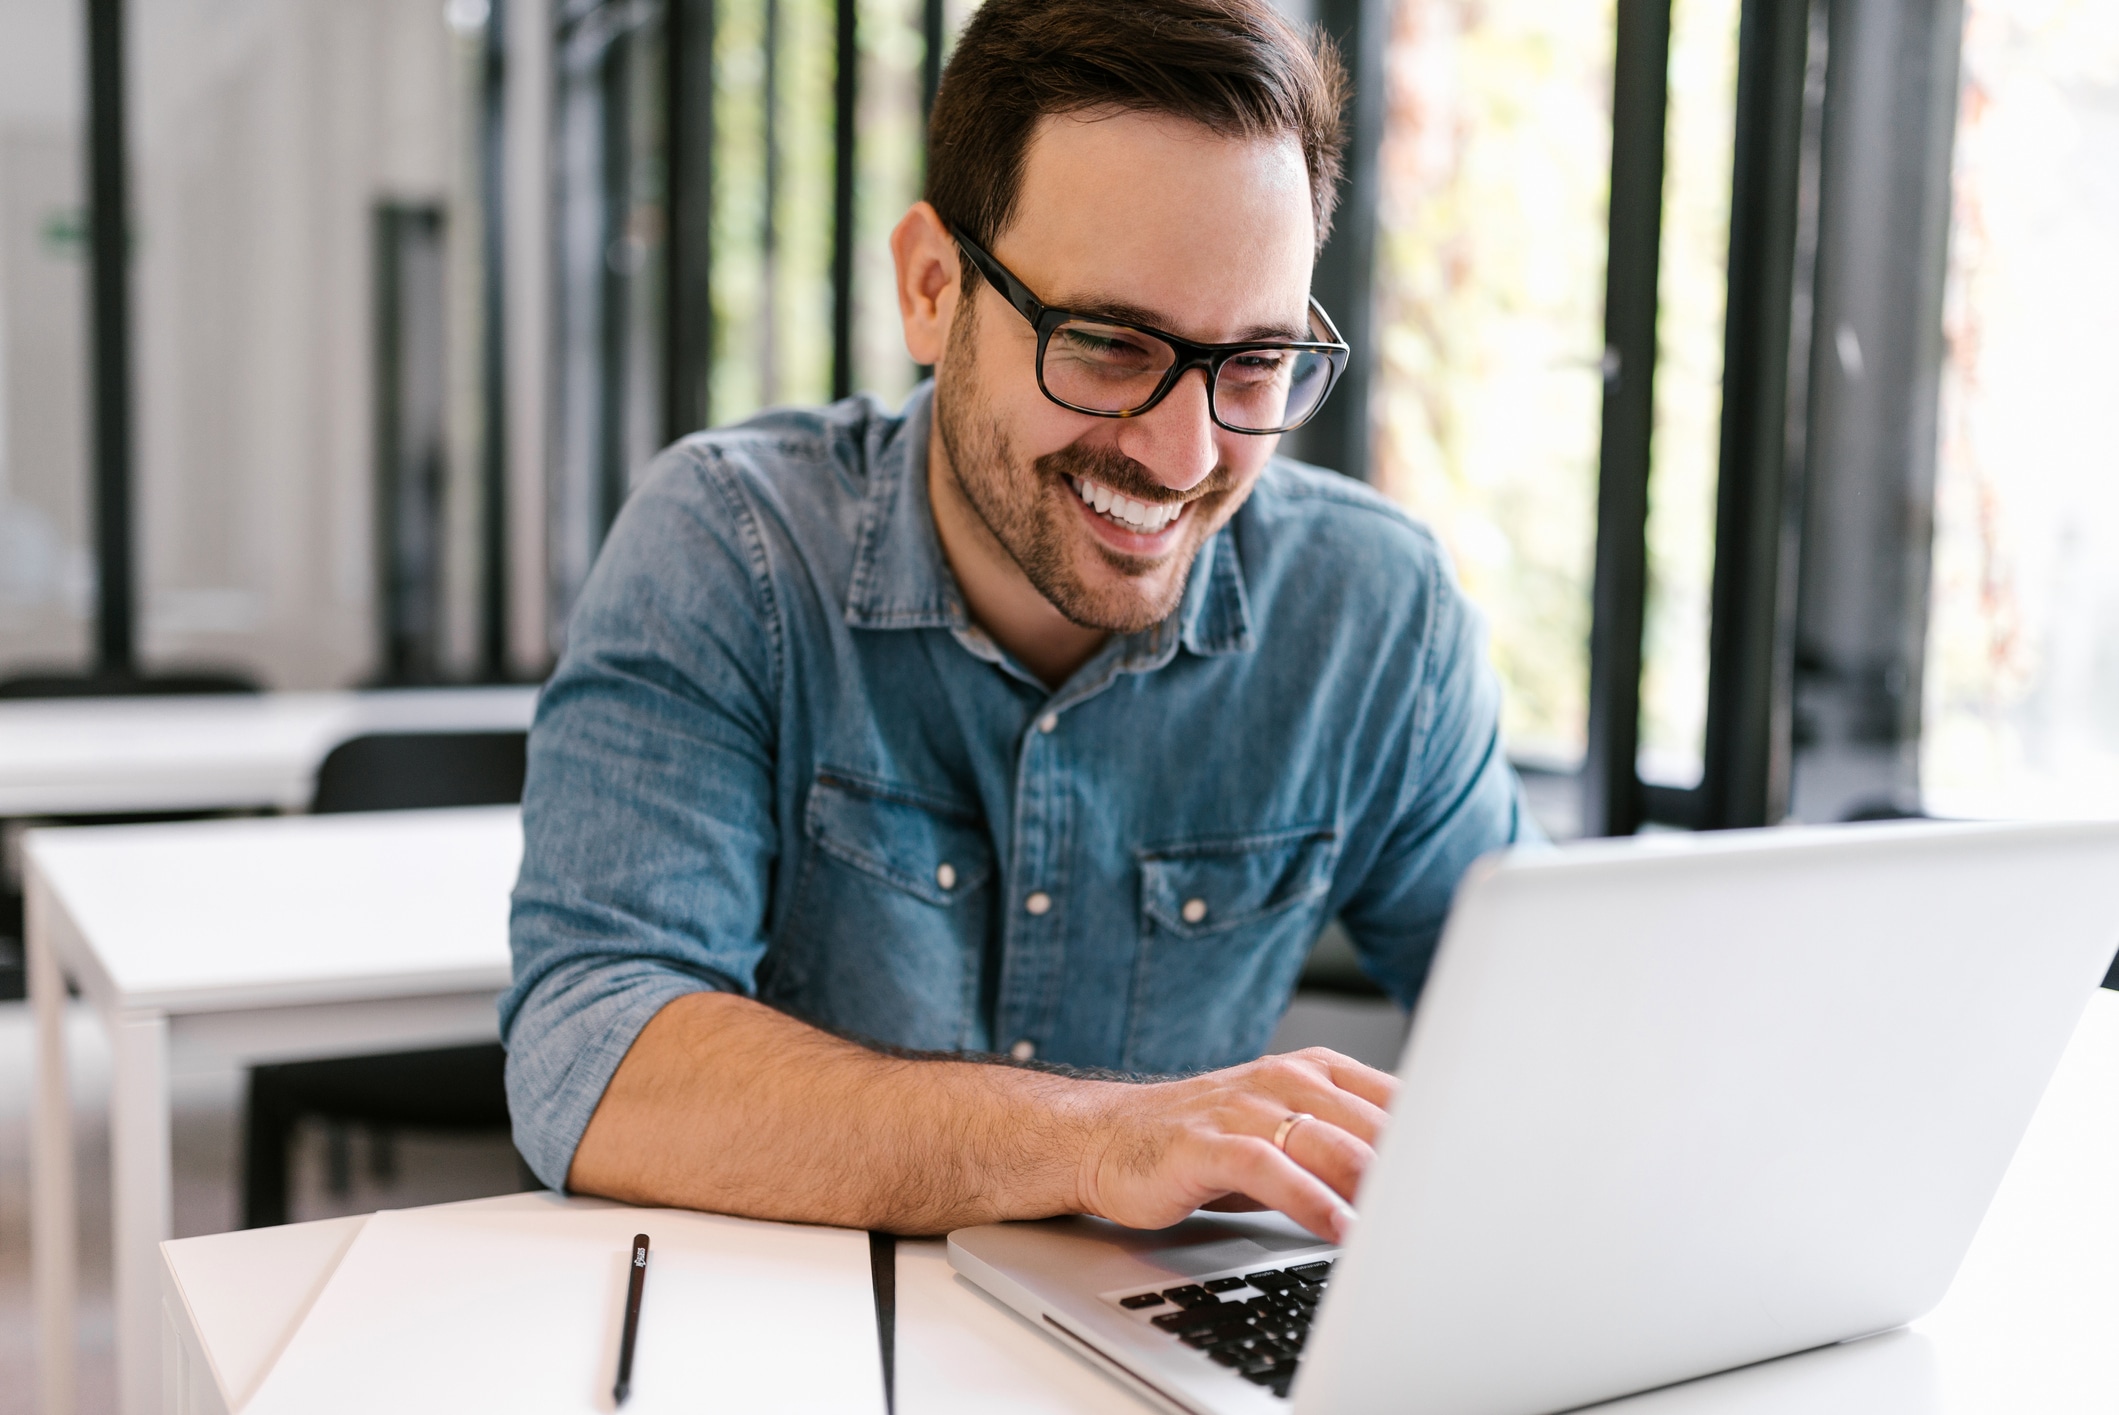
{"x": 1165, "y": 1149}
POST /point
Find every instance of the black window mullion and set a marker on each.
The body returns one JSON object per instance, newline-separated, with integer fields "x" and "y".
{"x": 1611, "y": 790}
{"x": 845, "y": 100}
{"x": 1758, "y": 497}
{"x": 689, "y": 92}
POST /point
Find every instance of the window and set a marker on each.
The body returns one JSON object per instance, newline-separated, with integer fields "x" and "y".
{"x": 2022, "y": 693}
{"x": 47, "y": 575}
{"x": 1490, "y": 286}
{"x": 1684, "y": 456}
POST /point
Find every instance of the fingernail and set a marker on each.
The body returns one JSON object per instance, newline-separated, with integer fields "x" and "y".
{"x": 1348, "y": 1219}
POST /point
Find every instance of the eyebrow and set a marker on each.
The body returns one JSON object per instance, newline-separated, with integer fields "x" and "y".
{"x": 1120, "y": 312}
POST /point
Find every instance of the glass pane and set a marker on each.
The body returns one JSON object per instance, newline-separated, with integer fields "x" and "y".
{"x": 47, "y": 574}
{"x": 2022, "y": 691}
{"x": 889, "y": 137}
{"x": 775, "y": 62}
{"x": 1685, "y": 453}
{"x": 1495, "y": 177}
{"x": 609, "y": 164}
{"x": 740, "y": 376}
{"x": 265, "y": 138}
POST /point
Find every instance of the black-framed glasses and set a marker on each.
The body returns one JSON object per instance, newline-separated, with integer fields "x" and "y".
{"x": 1114, "y": 369}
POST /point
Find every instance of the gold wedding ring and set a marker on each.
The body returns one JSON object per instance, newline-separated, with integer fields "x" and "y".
{"x": 1280, "y": 1136}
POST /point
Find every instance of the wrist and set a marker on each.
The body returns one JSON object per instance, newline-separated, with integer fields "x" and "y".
{"x": 1062, "y": 1126}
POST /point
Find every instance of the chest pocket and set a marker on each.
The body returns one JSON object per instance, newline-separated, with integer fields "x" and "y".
{"x": 932, "y": 851}
{"x": 888, "y": 923}
{"x": 1225, "y": 925}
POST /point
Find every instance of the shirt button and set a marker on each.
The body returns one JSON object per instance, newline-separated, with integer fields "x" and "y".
{"x": 1195, "y": 910}
{"x": 945, "y": 875}
{"x": 1048, "y": 722}
{"x": 1023, "y": 1050}
{"x": 1038, "y": 903}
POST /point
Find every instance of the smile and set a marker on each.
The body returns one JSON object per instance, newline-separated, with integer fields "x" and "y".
{"x": 1140, "y": 517}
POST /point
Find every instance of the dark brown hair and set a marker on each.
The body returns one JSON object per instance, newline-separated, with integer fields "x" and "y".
{"x": 1234, "y": 66}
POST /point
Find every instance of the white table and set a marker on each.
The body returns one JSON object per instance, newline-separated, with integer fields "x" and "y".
{"x": 2028, "y": 1326}
{"x": 232, "y": 943}
{"x": 231, "y": 1301}
{"x": 83, "y": 756}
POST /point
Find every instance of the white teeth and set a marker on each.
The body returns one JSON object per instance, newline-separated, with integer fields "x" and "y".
{"x": 1137, "y": 516}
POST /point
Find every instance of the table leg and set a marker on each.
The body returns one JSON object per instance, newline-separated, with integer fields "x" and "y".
{"x": 140, "y": 1200}
{"x": 53, "y": 1221}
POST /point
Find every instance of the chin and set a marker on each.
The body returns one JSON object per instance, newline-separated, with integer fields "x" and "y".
{"x": 1101, "y": 596}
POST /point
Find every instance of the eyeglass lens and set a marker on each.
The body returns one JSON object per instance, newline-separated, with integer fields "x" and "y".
{"x": 1108, "y": 368}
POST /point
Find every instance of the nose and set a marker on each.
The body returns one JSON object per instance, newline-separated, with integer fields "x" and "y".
{"x": 1175, "y": 439}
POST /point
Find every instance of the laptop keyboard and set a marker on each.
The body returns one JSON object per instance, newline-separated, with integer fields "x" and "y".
{"x": 1255, "y": 1324}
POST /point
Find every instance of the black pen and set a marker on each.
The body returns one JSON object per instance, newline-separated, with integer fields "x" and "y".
{"x": 632, "y": 1320}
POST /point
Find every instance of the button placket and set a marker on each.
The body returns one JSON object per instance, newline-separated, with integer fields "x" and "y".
{"x": 1032, "y": 942}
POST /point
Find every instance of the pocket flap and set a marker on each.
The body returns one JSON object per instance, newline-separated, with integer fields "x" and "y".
{"x": 937, "y": 851}
{"x": 1203, "y": 887}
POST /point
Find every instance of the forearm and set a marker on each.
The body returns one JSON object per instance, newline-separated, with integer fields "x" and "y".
{"x": 725, "y": 1104}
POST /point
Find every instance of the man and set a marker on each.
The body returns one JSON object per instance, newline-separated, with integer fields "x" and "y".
{"x": 916, "y": 787}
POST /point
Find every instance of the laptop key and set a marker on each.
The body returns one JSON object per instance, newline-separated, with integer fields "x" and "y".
{"x": 1190, "y": 1295}
{"x": 1224, "y": 1284}
{"x": 1141, "y": 1299}
{"x": 1189, "y": 1319}
{"x": 1313, "y": 1272}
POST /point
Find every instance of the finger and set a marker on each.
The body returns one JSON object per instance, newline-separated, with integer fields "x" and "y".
{"x": 1350, "y": 1113}
{"x": 1378, "y": 1088}
{"x": 1330, "y": 1153}
{"x": 1247, "y": 1165}
{"x": 1303, "y": 1082}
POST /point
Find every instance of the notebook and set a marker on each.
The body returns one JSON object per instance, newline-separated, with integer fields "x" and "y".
{"x": 519, "y": 1309}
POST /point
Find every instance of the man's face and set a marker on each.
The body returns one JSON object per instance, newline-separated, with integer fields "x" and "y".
{"x": 1154, "y": 221}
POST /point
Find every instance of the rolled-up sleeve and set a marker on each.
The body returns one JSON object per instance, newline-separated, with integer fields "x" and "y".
{"x": 1460, "y": 800}
{"x": 648, "y": 818}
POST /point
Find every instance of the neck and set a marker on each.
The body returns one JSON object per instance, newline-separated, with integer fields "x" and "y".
{"x": 999, "y": 595}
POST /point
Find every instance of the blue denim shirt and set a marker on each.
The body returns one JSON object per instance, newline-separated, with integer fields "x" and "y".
{"x": 778, "y": 758}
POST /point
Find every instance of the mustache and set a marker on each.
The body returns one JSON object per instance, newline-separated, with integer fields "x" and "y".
{"x": 1128, "y": 477}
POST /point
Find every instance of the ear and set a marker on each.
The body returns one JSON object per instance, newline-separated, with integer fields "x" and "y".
{"x": 928, "y": 271}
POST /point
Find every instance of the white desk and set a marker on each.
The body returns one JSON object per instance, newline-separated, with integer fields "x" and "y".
{"x": 236, "y": 942}
{"x": 82, "y": 756}
{"x": 2028, "y": 1326}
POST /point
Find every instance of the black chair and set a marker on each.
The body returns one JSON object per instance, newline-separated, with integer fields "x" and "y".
{"x": 453, "y": 1088}
{"x": 123, "y": 685}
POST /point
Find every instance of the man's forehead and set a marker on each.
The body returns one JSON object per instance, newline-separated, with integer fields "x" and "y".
{"x": 1160, "y": 220}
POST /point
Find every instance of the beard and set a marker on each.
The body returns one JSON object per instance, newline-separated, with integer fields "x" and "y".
{"x": 1025, "y": 505}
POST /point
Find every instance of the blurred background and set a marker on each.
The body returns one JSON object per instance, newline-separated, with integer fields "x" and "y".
{"x": 1749, "y": 356}
{"x": 416, "y": 288}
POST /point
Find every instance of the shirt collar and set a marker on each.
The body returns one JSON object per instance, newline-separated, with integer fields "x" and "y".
{"x": 901, "y": 580}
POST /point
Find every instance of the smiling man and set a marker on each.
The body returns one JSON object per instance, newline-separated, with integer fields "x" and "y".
{"x": 933, "y": 810}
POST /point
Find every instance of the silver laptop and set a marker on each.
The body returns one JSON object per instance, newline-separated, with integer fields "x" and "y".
{"x": 1669, "y": 1106}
